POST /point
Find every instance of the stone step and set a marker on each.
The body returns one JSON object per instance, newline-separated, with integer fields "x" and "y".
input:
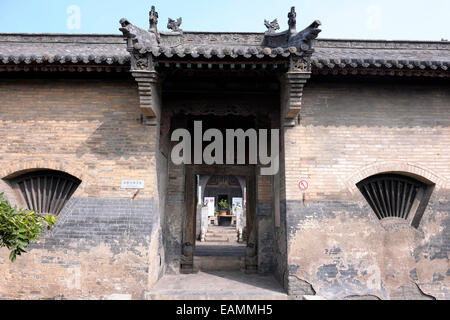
{"x": 219, "y": 263}
{"x": 222, "y": 232}
{"x": 221, "y": 236}
{"x": 213, "y": 235}
{"x": 222, "y": 240}
{"x": 221, "y": 229}
{"x": 212, "y": 243}
{"x": 223, "y": 249}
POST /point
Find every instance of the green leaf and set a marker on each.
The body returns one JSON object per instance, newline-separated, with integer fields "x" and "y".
{"x": 12, "y": 256}
{"x": 19, "y": 227}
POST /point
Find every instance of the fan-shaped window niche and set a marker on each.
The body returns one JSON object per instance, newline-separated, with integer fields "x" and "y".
{"x": 46, "y": 191}
{"x": 395, "y": 195}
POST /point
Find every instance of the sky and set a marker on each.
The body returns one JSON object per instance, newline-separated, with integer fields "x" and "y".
{"x": 349, "y": 19}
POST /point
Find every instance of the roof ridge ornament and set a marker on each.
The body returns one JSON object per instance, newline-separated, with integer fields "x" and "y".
{"x": 148, "y": 45}
{"x": 136, "y": 37}
{"x": 175, "y": 25}
{"x": 301, "y": 41}
{"x": 153, "y": 19}
{"x": 292, "y": 22}
{"x": 272, "y": 26}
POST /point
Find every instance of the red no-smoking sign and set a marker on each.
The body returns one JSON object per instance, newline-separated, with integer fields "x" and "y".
{"x": 303, "y": 185}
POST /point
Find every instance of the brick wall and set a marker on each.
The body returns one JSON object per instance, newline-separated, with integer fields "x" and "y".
{"x": 350, "y": 130}
{"x": 105, "y": 243}
{"x": 348, "y": 126}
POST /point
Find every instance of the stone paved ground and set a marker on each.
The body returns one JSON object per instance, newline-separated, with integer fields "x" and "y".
{"x": 220, "y": 242}
{"x": 217, "y": 285}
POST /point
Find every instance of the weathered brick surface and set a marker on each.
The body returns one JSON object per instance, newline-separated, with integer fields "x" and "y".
{"x": 348, "y": 131}
{"x": 265, "y": 189}
{"x": 105, "y": 242}
{"x": 89, "y": 126}
{"x": 174, "y": 219}
{"x": 346, "y": 127}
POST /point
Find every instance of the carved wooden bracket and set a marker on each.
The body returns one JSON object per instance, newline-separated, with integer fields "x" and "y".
{"x": 149, "y": 95}
{"x": 294, "y": 82}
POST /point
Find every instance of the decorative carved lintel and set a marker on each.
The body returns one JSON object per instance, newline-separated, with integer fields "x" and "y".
{"x": 300, "y": 64}
{"x": 142, "y": 62}
{"x": 149, "y": 95}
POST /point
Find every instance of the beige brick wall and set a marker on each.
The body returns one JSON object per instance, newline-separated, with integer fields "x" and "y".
{"x": 89, "y": 128}
{"x": 347, "y": 128}
{"x": 104, "y": 244}
{"x": 349, "y": 131}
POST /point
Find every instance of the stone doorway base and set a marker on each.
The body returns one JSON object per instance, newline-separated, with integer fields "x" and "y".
{"x": 217, "y": 285}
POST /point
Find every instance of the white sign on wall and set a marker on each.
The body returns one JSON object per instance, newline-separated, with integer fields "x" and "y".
{"x": 237, "y": 202}
{"x": 132, "y": 184}
{"x": 211, "y": 204}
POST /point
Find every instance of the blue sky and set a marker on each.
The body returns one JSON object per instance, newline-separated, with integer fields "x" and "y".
{"x": 357, "y": 19}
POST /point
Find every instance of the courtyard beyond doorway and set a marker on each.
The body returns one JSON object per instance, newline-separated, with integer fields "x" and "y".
{"x": 221, "y": 228}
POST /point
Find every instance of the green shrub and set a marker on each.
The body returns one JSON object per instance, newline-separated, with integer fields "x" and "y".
{"x": 20, "y": 227}
{"x": 223, "y": 204}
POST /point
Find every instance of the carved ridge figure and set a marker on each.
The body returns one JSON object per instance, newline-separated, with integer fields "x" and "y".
{"x": 291, "y": 38}
{"x": 153, "y": 19}
{"x": 141, "y": 39}
{"x": 174, "y": 25}
{"x": 272, "y": 26}
{"x": 307, "y": 35}
{"x": 292, "y": 19}
{"x": 312, "y": 31}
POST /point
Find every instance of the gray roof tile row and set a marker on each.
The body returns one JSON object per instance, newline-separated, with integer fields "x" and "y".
{"x": 329, "y": 53}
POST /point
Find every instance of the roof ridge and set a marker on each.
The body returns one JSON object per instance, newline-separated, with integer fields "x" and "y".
{"x": 382, "y": 41}
{"x": 61, "y": 34}
{"x": 113, "y": 35}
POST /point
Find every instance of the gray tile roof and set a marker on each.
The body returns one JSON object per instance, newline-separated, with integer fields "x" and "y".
{"x": 62, "y": 48}
{"x": 382, "y": 54}
{"x": 329, "y": 53}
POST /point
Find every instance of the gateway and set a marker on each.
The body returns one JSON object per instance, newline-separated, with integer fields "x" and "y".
{"x": 213, "y": 153}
